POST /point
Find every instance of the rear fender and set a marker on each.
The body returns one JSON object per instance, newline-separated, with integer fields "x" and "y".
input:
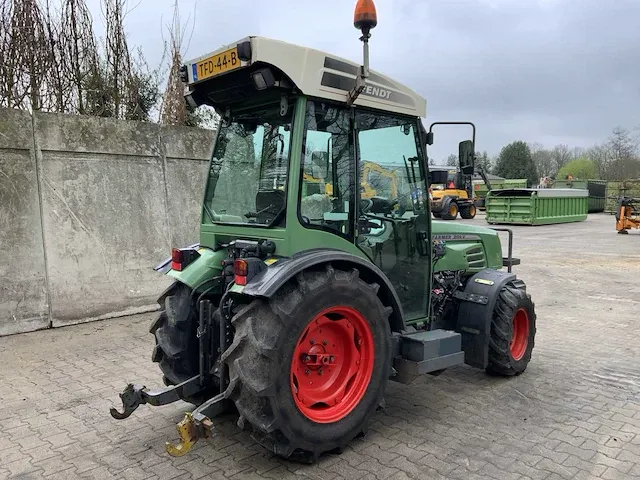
{"x": 477, "y": 302}
{"x": 270, "y": 280}
{"x": 206, "y": 266}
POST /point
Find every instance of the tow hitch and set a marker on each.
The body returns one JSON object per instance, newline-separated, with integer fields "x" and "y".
{"x": 194, "y": 425}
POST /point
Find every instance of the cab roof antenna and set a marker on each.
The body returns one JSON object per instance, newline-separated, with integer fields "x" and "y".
{"x": 364, "y": 19}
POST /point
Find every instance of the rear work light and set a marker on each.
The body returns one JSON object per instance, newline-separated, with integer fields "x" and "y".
{"x": 244, "y": 269}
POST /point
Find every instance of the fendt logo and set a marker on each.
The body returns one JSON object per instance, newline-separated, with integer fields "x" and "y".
{"x": 377, "y": 92}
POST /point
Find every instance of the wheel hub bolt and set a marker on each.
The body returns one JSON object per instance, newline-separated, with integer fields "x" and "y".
{"x": 313, "y": 342}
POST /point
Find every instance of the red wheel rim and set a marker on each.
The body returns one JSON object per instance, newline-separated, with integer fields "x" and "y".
{"x": 520, "y": 336}
{"x": 332, "y": 364}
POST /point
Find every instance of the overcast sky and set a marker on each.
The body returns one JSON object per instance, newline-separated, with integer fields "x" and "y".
{"x": 548, "y": 71}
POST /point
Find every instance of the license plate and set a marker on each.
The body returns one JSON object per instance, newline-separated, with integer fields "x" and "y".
{"x": 216, "y": 64}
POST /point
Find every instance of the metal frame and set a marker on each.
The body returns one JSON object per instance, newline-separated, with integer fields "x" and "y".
{"x": 510, "y": 261}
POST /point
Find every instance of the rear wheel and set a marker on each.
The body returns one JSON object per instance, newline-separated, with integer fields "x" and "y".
{"x": 513, "y": 331}
{"x": 177, "y": 347}
{"x": 309, "y": 367}
{"x": 468, "y": 212}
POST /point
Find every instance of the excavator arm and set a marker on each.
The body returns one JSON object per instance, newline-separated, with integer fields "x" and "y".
{"x": 374, "y": 167}
{"x": 485, "y": 179}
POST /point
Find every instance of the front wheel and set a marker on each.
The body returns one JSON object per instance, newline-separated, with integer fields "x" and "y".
{"x": 309, "y": 367}
{"x": 513, "y": 331}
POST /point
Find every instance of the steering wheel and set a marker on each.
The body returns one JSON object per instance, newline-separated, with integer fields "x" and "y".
{"x": 365, "y": 204}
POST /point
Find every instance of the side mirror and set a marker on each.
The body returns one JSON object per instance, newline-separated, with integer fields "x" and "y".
{"x": 466, "y": 156}
{"x": 429, "y": 138}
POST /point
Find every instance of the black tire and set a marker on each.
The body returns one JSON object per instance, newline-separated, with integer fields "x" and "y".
{"x": 450, "y": 210}
{"x": 177, "y": 347}
{"x": 260, "y": 359}
{"x": 512, "y": 299}
{"x": 468, "y": 212}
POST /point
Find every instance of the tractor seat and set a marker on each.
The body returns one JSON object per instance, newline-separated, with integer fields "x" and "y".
{"x": 269, "y": 204}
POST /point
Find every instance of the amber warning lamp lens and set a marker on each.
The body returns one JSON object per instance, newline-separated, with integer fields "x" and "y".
{"x": 364, "y": 16}
{"x": 245, "y": 269}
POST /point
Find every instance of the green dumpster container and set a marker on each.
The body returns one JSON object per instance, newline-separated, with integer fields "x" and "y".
{"x": 480, "y": 189}
{"x": 537, "y": 206}
{"x": 597, "y": 191}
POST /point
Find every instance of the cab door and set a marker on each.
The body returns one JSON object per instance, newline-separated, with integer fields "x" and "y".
{"x": 393, "y": 221}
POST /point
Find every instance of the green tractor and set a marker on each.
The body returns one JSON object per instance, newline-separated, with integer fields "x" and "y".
{"x": 298, "y": 304}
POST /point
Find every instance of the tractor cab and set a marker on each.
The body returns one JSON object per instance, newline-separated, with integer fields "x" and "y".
{"x": 306, "y": 161}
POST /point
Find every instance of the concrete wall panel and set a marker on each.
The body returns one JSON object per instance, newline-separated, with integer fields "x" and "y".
{"x": 23, "y": 289}
{"x": 104, "y": 216}
{"x": 187, "y": 152}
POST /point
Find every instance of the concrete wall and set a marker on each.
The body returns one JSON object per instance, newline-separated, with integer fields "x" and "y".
{"x": 87, "y": 206}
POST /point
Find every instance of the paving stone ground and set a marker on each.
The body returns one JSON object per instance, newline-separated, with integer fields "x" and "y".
{"x": 574, "y": 414}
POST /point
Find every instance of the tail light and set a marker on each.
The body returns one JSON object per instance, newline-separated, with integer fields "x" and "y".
{"x": 241, "y": 270}
{"x": 245, "y": 269}
{"x": 176, "y": 259}
{"x": 181, "y": 257}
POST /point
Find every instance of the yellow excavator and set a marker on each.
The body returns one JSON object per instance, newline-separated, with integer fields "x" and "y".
{"x": 376, "y": 181}
{"x": 451, "y": 195}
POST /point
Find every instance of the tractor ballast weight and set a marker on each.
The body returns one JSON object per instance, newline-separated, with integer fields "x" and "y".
{"x": 311, "y": 288}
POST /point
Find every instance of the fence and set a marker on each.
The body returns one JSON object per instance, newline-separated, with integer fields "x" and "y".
{"x": 628, "y": 188}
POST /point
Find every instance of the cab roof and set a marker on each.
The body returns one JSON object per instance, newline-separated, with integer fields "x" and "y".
{"x": 313, "y": 72}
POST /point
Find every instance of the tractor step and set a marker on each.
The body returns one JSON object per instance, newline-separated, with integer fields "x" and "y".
{"x": 427, "y": 352}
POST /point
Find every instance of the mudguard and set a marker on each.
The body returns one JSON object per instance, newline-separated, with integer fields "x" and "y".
{"x": 269, "y": 281}
{"x": 165, "y": 265}
{"x": 204, "y": 267}
{"x": 477, "y": 302}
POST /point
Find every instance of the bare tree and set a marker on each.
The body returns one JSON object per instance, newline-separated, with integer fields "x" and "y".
{"x": 117, "y": 56}
{"x": 623, "y": 153}
{"x": 9, "y": 95}
{"x": 173, "y": 110}
{"x": 140, "y": 90}
{"x": 25, "y": 53}
{"x": 79, "y": 48}
{"x": 59, "y": 86}
{"x": 543, "y": 159}
{"x": 561, "y": 156}
{"x": 601, "y": 157}
{"x": 50, "y": 60}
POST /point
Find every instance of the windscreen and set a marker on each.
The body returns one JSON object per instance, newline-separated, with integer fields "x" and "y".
{"x": 248, "y": 171}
